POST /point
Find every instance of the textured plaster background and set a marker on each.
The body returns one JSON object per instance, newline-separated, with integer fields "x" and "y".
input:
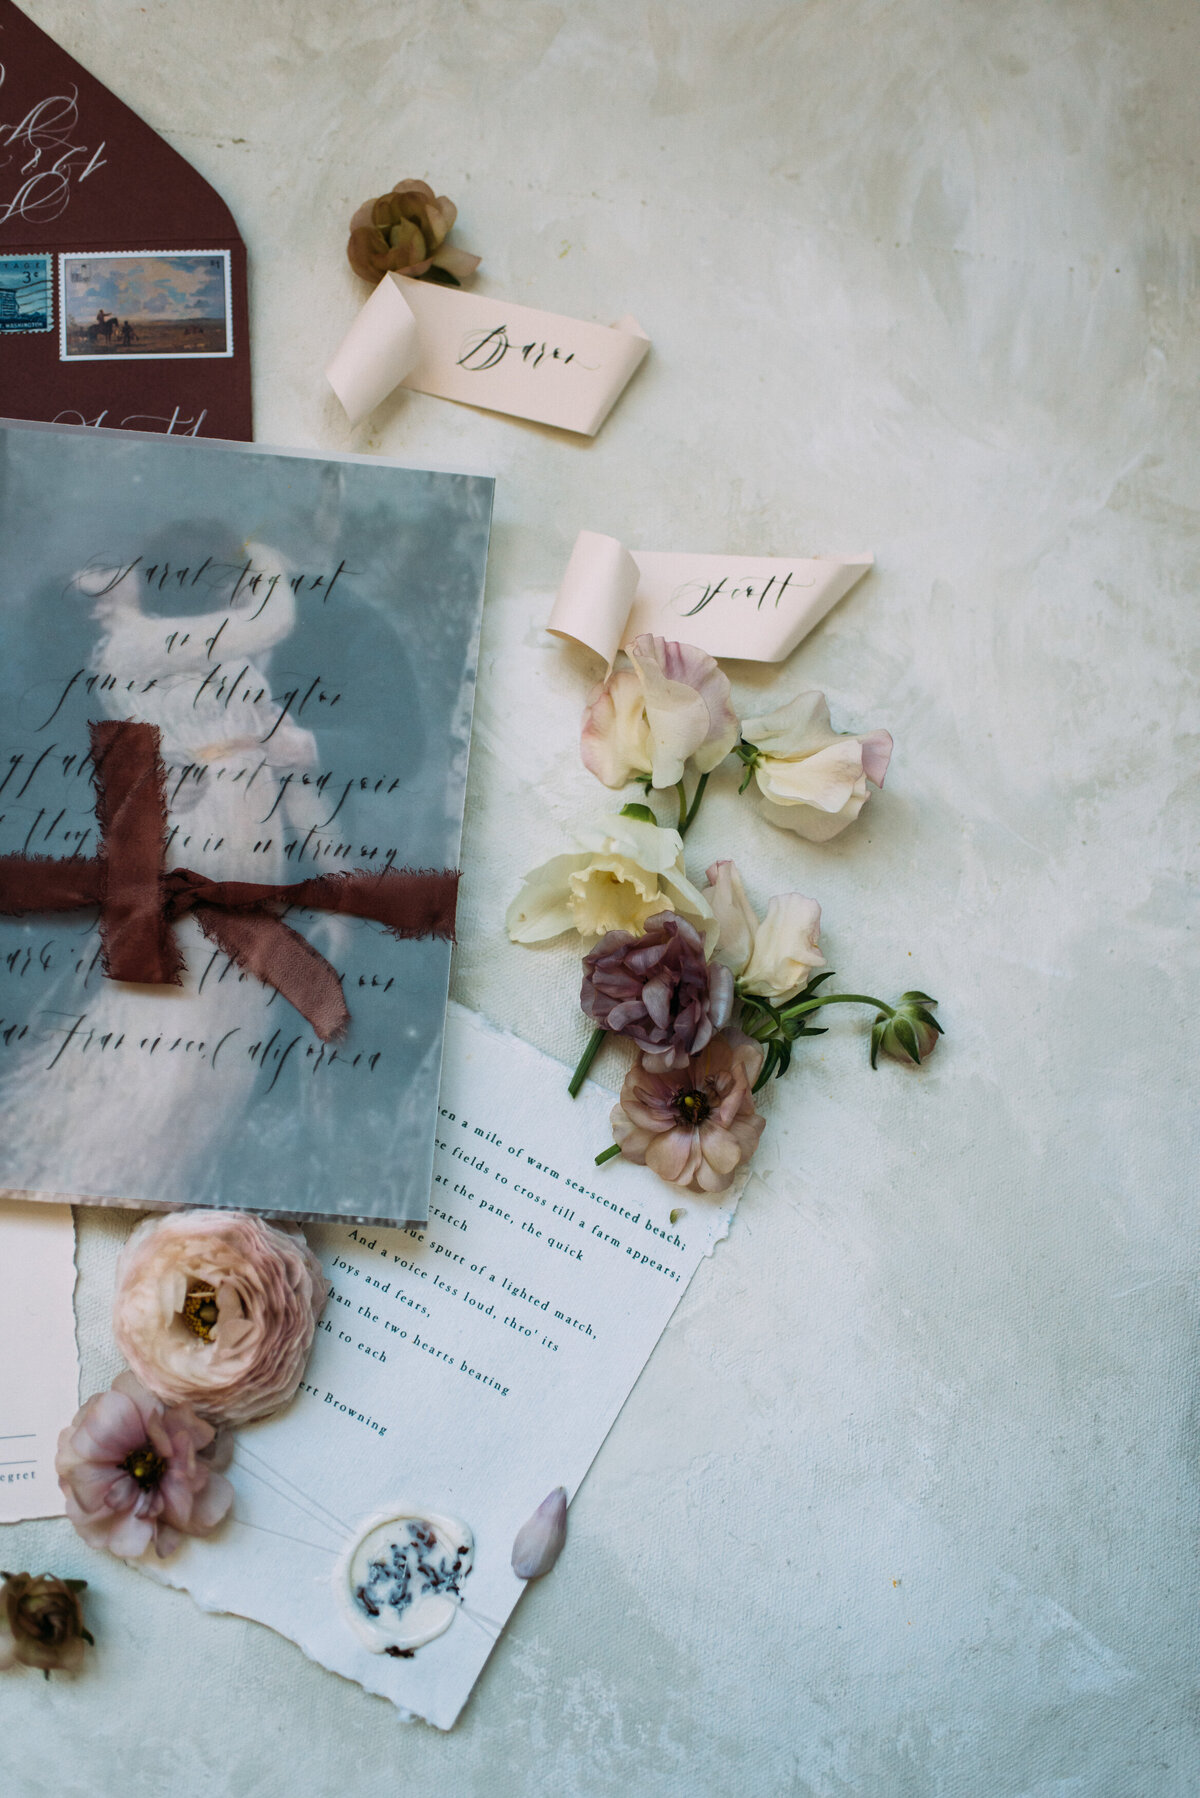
{"x": 905, "y": 1503}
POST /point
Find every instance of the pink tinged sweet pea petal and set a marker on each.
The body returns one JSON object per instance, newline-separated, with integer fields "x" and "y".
{"x": 687, "y": 706}
{"x": 825, "y": 780}
{"x": 540, "y": 1539}
{"x": 786, "y": 948}
{"x": 736, "y": 917}
{"x": 614, "y": 741}
{"x": 876, "y": 754}
{"x": 799, "y": 727}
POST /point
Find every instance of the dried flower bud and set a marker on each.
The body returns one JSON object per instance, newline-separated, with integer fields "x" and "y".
{"x": 404, "y": 233}
{"x": 540, "y": 1539}
{"x": 41, "y": 1622}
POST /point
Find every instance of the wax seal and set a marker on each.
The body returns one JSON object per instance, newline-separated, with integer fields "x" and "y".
{"x": 399, "y": 1583}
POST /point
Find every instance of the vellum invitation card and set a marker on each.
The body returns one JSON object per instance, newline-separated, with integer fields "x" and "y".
{"x": 39, "y": 1367}
{"x": 462, "y": 1371}
{"x": 235, "y": 701}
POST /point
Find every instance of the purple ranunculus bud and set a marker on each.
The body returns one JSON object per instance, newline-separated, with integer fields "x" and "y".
{"x": 658, "y": 990}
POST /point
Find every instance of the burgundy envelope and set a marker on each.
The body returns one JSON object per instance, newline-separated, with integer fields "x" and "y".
{"x": 122, "y": 275}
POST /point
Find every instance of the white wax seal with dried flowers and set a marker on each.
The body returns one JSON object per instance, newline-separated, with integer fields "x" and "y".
{"x": 420, "y": 330}
{"x": 399, "y": 1583}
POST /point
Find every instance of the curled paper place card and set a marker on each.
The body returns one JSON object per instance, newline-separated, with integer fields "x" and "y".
{"x": 484, "y": 352}
{"x": 756, "y": 608}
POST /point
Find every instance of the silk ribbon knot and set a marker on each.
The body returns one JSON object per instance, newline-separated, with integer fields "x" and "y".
{"x": 139, "y": 898}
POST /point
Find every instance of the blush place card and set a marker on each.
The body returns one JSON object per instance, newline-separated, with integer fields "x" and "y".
{"x": 461, "y": 1372}
{"x": 235, "y": 702}
{"x": 39, "y": 1368}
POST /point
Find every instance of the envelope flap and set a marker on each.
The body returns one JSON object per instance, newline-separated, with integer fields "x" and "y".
{"x": 78, "y": 164}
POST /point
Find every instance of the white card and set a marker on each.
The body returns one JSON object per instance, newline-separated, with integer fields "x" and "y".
{"x": 466, "y": 1368}
{"x": 39, "y": 1365}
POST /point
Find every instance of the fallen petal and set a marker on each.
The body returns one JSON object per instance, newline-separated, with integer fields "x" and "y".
{"x": 540, "y": 1538}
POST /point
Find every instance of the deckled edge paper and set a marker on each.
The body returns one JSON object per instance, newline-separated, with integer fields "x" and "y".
{"x": 465, "y": 1369}
{"x": 39, "y": 1362}
{"x": 483, "y": 352}
{"x": 755, "y": 608}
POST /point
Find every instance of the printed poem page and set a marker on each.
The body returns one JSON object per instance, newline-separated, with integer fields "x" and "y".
{"x": 39, "y": 1367}
{"x": 464, "y": 1368}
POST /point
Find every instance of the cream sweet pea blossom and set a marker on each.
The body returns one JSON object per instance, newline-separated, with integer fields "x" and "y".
{"x": 775, "y": 958}
{"x": 813, "y": 779}
{"x": 624, "y": 871}
{"x": 671, "y": 706}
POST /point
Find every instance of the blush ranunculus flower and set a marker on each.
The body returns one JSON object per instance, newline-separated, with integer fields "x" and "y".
{"x": 693, "y": 1126}
{"x": 624, "y": 871}
{"x": 775, "y": 958}
{"x": 137, "y": 1474}
{"x": 217, "y": 1309}
{"x": 658, "y": 990}
{"x": 670, "y": 707}
{"x": 404, "y": 233}
{"x": 813, "y": 779}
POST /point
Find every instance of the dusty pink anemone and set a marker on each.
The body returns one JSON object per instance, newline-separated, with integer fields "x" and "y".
{"x": 657, "y": 989}
{"x": 693, "y": 1126}
{"x": 138, "y": 1474}
{"x": 217, "y": 1309}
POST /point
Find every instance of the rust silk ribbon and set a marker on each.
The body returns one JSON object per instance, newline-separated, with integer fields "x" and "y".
{"x": 139, "y": 898}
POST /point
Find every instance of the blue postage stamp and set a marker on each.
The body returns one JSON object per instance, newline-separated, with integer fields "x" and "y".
{"x": 25, "y": 294}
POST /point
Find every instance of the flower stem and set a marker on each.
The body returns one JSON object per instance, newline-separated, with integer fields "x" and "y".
{"x": 687, "y": 816}
{"x": 797, "y": 1011}
{"x": 608, "y": 1154}
{"x": 681, "y": 822}
{"x": 585, "y": 1061}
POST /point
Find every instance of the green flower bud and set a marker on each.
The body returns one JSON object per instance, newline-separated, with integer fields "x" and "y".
{"x": 908, "y": 1031}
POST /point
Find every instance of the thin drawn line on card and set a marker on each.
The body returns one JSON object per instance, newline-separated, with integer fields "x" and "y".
{"x": 21, "y": 1436}
{"x": 32, "y": 1463}
{"x": 302, "y": 1501}
{"x": 302, "y": 1541}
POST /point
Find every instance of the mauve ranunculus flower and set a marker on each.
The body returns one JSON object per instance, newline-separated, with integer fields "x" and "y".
{"x": 693, "y": 1126}
{"x": 658, "y": 990}
{"x": 216, "y": 1309}
{"x": 138, "y": 1474}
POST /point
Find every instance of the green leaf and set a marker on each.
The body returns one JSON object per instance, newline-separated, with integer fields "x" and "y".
{"x": 642, "y": 812}
{"x": 877, "y": 1031}
{"x": 927, "y": 1017}
{"x": 920, "y": 998}
{"x": 906, "y": 1036}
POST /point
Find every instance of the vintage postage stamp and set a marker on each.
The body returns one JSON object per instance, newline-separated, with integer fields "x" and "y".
{"x": 149, "y": 304}
{"x": 26, "y": 294}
